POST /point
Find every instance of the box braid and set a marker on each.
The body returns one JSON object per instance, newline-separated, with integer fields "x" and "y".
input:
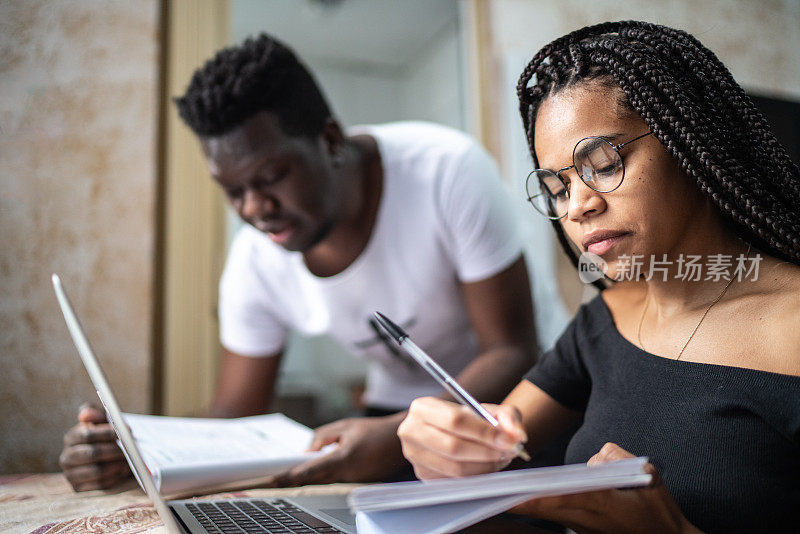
{"x": 692, "y": 104}
{"x": 261, "y": 74}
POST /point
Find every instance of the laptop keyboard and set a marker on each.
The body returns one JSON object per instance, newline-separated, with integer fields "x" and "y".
{"x": 254, "y": 515}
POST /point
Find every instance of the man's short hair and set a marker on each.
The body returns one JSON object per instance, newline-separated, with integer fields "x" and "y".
{"x": 261, "y": 74}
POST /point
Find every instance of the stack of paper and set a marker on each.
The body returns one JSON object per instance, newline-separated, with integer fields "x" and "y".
{"x": 446, "y": 505}
{"x": 188, "y": 455}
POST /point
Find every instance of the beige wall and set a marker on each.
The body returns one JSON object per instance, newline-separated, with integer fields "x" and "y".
{"x": 758, "y": 40}
{"x": 78, "y": 112}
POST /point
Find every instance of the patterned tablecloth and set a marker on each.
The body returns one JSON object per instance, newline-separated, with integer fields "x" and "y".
{"x": 46, "y": 504}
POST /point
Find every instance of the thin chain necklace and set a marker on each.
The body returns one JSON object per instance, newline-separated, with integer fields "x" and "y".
{"x": 708, "y": 309}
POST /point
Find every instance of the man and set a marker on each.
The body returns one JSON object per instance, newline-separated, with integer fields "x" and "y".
{"x": 409, "y": 219}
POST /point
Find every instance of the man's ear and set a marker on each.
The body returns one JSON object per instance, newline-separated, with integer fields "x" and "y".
{"x": 332, "y": 136}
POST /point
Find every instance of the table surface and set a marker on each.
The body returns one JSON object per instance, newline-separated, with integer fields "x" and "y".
{"x": 46, "y": 504}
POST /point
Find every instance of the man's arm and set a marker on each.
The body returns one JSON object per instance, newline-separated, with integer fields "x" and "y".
{"x": 245, "y": 385}
{"x": 500, "y": 309}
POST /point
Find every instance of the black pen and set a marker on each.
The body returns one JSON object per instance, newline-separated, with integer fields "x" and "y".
{"x": 441, "y": 376}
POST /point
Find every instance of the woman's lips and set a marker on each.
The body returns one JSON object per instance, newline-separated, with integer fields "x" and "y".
{"x": 603, "y": 242}
{"x": 601, "y": 247}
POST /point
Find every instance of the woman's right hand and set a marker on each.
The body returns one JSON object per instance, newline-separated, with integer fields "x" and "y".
{"x": 91, "y": 458}
{"x": 443, "y": 439}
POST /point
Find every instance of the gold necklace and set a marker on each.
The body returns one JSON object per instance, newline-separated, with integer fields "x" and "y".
{"x": 708, "y": 309}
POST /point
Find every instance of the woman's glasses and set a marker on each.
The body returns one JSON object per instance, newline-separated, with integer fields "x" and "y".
{"x": 598, "y": 163}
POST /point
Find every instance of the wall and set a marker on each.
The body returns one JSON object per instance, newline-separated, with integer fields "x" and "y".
{"x": 78, "y": 110}
{"x": 757, "y": 40}
{"x": 359, "y": 94}
{"x": 431, "y": 84}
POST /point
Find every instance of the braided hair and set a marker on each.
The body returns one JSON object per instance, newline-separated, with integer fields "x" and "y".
{"x": 692, "y": 104}
{"x": 261, "y": 74}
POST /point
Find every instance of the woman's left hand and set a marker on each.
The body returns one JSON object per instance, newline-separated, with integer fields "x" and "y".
{"x": 648, "y": 509}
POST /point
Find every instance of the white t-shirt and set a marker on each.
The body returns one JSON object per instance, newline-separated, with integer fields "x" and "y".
{"x": 444, "y": 218}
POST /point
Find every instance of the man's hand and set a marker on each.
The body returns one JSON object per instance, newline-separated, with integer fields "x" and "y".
{"x": 91, "y": 458}
{"x": 368, "y": 450}
{"x": 647, "y": 509}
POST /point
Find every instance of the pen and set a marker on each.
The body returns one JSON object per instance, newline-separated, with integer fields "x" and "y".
{"x": 441, "y": 376}
{"x": 388, "y": 342}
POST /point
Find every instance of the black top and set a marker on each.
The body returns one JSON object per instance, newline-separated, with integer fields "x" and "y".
{"x": 726, "y": 440}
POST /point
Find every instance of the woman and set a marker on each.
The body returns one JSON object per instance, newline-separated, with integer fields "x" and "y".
{"x": 656, "y": 157}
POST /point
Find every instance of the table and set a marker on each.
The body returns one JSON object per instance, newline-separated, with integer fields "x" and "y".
{"x": 46, "y": 504}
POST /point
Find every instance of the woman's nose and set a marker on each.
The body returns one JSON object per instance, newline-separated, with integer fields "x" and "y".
{"x": 583, "y": 200}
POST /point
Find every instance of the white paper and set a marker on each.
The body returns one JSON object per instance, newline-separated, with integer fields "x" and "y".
{"x": 186, "y": 454}
{"x": 448, "y": 505}
{"x": 561, "y": 479}
{"x": 453, "y": 516}
{"x": 438, "y": 519}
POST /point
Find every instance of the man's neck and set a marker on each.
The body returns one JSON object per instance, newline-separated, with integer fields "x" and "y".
{"x": 362, "y": 175}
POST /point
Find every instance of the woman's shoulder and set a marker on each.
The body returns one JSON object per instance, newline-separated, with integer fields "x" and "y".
{"x": 780, "y": 314}
{"x": 780, "y": 276}
{"x": 761, "y": 329}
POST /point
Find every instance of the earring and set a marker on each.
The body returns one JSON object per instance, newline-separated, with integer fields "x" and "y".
{"x": 337, "y": 160}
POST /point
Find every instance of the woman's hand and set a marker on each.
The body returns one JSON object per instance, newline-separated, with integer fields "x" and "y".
{"x": 648, "y": 509}
{"x": 444, "y": 439}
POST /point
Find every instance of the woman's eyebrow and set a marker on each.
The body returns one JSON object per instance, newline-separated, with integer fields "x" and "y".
{"x": 593, "y": 143}
{"x": 589, "y": 145}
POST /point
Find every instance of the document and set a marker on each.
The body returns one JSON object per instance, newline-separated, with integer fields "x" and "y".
{"x": 187, "y": 455}
{"x": 447, "y": 505}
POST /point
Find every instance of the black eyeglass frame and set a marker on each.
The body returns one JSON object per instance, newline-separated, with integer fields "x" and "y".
{"x": 557, "y": 173}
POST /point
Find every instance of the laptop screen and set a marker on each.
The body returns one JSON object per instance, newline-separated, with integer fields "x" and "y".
{"x": 113, "y": 412}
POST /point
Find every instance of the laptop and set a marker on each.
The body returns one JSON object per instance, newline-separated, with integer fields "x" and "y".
{"x": 301, "y": 514}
